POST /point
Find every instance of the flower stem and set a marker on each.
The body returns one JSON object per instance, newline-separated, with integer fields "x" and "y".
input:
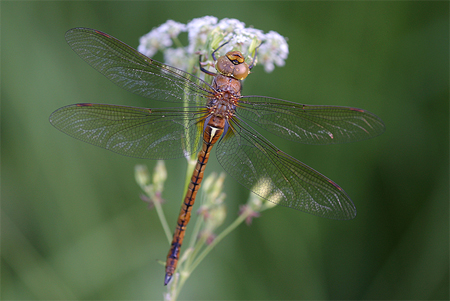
{"x": 222, "y": 235}
{"x": 195, "y": 232}
{"x": 163, "y": 220}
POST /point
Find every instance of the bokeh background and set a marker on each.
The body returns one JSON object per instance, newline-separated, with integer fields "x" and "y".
{"x": 72, "y": 223}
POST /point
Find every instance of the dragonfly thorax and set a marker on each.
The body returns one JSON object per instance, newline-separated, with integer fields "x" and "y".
{"x": 228, "y": 85}
{"x": 222, "y": 108}
{"x": 226, "y": 96}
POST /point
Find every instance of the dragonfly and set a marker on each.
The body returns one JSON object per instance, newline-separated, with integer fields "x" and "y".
{"x": 212, "y": 114}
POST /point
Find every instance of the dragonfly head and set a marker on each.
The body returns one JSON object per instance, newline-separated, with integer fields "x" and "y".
{"x": 233, "y": 64}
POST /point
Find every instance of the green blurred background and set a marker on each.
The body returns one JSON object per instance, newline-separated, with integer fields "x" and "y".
{"x": 72, "y": 223}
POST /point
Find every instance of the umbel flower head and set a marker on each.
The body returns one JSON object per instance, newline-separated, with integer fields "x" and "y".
{"x": 206, "y": 34}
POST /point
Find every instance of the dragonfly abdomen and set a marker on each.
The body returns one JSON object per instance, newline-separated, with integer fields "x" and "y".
{"x": 211, "y": 134}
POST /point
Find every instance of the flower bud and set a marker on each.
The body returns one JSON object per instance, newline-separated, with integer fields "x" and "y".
{"x": 159, "y": 175}
{"x": 141, "y": 175}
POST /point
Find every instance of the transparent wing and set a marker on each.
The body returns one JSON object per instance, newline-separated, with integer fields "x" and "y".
{"x": 135, "y": 132}
{"x": 310, "y": 124}
{"x": 133, "y": 71}
{"x": 270, "y": 173}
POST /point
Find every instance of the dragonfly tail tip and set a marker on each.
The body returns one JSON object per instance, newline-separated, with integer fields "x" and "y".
{"x": 167, "y": 279}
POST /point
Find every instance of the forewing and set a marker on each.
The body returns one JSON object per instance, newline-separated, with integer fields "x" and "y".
{"x": 135, "y": 132}
{"x": 310, "y": 124}
{"x": 135, "y": 72}
{"x": 270, "y": 173}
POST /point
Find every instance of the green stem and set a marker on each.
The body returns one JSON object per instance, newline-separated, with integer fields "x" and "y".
{"x": 163, "y": 220}
{"x": 222, "y": 235}
{"x": 177, "y": 42}
{"x": 196, "y": 230}
{"x": 178, "y": 288}
{"x": 196, "y": 250}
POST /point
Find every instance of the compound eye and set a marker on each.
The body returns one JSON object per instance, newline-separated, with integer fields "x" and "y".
{"x": 241, "y": 71}
{"x": 224, "y": 66}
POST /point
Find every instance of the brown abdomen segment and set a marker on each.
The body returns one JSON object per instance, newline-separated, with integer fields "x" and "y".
{"x": 210, "y": 137}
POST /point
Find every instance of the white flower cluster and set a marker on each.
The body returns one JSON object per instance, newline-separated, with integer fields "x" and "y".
{"x": 206, "y": 34}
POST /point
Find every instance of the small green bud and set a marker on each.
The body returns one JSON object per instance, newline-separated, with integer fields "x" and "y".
{"x": 141, "y": 175}
{"x": 159, "y": 175}
{"x": 208, "y": 183}
{"x": 216, "y": 38}
{"x": 255, "y": 202}
{"x": 217, "y": 187}
{"x": 217, "y": 215}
